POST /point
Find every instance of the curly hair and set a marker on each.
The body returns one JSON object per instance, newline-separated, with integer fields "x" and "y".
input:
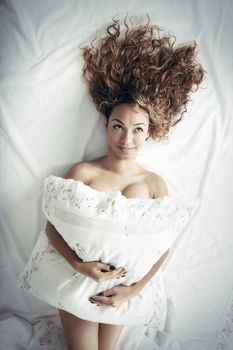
{"x": 139, "y": 67}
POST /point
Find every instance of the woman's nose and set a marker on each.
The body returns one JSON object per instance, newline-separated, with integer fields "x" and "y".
{"x": 126, "y": 136}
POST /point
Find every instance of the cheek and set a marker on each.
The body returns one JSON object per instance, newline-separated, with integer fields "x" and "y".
{"x": 141, "y": 138}
{"x": 113, "y": 135}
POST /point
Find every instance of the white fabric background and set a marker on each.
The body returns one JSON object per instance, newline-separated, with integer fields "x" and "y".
{"x": 48, "y": 122}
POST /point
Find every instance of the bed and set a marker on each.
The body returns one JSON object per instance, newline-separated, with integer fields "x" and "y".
{"x": 48, "y": 122}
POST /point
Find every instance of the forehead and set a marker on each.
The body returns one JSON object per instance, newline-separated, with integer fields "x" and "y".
{"x": 129, "y": 114}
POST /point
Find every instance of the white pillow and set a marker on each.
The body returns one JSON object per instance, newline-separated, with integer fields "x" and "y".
{"x": 105, "y": 226}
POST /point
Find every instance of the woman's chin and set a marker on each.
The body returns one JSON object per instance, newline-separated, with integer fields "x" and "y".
{"x": 126, "y": 154}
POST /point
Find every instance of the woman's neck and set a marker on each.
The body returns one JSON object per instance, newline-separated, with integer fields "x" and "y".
{"x": 121, "y": 167}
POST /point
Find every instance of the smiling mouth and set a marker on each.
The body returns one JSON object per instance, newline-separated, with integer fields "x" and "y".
{"x": 126, "y": 148}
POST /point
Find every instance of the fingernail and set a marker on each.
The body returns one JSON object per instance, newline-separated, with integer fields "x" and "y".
{"x": 100, "y": 293}
{"x": 112, "y": 267}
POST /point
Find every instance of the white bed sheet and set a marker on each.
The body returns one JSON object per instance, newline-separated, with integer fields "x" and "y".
{"x": 48, "y": 123}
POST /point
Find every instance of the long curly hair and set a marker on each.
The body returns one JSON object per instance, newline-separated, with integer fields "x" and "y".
{"x": 139, "y": 67}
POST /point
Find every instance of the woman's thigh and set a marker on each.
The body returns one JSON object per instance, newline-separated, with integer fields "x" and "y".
{"x": 79, "y": 334}
{"x": 108, "y": 335}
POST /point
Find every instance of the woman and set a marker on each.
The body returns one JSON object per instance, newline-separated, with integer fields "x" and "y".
{"x": 141, "y": 84}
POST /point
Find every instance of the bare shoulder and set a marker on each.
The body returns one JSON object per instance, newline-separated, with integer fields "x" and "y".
{"x": 82, "y": 171}
{"x": 157, "y": 185}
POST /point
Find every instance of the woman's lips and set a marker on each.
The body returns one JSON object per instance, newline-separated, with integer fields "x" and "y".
{"x": 126, "y": 149}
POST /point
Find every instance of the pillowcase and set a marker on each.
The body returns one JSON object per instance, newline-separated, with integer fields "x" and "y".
{"x": 107, "y": 226}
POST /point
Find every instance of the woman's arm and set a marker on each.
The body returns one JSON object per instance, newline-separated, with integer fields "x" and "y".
{"x": 77, "y": 171}
{"x": 62, "y": 247}
{"x": 96, "y": 270}
{"x": 137, "y": 286}
{"x": 119, "y": 294}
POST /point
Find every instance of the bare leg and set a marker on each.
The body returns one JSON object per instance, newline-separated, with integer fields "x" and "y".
{"x": 108, "y": 335}
{"x": 79, "y": 334}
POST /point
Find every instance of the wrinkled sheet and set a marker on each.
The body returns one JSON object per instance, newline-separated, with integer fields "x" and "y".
{"x": 48, "y": 122}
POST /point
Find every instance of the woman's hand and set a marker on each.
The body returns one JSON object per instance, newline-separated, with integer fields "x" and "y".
{"x": 99, "y": 271}
{"x": 114, "y": 296}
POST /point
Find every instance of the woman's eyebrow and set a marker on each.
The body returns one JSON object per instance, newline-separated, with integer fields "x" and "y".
{"x": 118, "y": 121}
{"x": 123, "y": 123}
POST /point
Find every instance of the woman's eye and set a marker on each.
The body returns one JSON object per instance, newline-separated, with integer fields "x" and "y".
{"x": 117, "y": 126}
{"x": 138, "y": 129}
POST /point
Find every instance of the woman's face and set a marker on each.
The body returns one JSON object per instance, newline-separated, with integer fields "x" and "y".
{"x": 127, "y": 130}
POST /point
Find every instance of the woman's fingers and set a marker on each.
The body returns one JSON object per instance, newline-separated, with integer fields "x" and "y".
{"x": 99, "y": 303}
{"x": 102, "y": 299}
{"x": 107, "y": 267}
{"x": 107, "y": 293}
{"x": 104, "y": 267}
{"x": 119, "y": 271}
{"x": 108, "y": 271}
{"x": 115, "y": 273}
